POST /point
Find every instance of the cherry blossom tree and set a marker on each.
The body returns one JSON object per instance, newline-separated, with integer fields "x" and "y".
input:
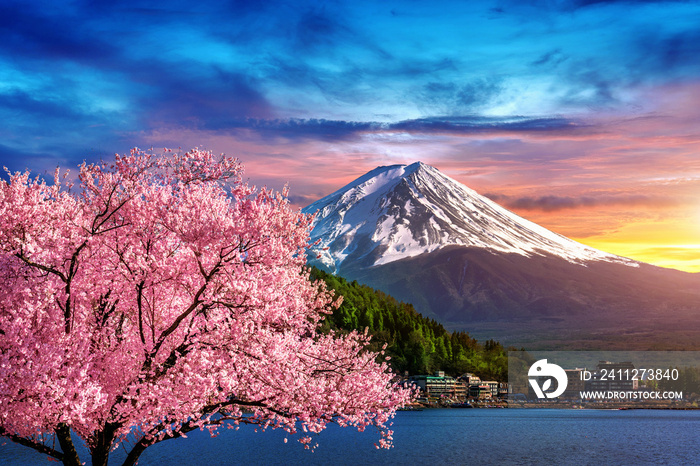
{"x": 161, "y": 294}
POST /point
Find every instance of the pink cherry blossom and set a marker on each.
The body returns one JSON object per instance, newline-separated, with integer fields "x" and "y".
{"x": 161, "y": 295}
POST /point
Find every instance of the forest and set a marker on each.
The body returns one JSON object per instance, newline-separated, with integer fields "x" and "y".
{"x": 415, "y": 344}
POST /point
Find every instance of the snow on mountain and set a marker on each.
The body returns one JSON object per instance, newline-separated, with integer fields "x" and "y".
{"x": 402, "y": 211}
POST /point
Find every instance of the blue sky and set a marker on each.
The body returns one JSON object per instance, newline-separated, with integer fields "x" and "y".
{"x": 584, "y": 109}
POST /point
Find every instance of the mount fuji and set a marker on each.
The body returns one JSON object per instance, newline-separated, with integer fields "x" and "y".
{"x": 400, "y": 211}
{"x": 457, "y": 256}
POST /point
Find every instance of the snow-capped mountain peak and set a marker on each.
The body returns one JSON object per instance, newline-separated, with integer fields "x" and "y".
{"x": 401, "y": 211}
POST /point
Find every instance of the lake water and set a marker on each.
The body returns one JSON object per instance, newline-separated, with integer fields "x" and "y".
{"x": 449, "y": 436}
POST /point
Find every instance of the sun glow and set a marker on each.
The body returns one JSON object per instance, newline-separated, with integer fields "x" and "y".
{"x": 654, "y": 236}
{"x": 685, "y": 257}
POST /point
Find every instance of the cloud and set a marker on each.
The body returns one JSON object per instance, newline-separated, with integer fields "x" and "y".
{"x": 217, "y": 101}
{"x": 558, "y": 203}
{"x": 334, "y": 130}
{"x": 480, "y": 124}
{"x": 668, "y": 53}
{"x": 455, "y": 98}
{"x": 58, "y": 35}
{"x": 20, "y": 102}
{"x": 303, "y": 200}
{"x": 38, "y": 126}
{"x": 294, "y": 128}
{"x": 574, "y": 5}
{"x": 38, "y": 162}
{"x": 316, "y": 28}
{"x": 685, "y": 253}
{"x": 587, "y": 3}
{"x": 551, "y": 58}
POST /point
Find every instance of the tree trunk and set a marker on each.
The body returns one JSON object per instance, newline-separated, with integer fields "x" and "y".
{"x": 134, "y": 454}
{"x": 70, "y": 455}
{"x": 100, "y": 452}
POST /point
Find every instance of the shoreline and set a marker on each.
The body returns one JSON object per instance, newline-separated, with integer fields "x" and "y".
{"x": 670, "y": 406}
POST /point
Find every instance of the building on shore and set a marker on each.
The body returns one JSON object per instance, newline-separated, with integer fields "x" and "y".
{"x": 612, "y": 376}
{"x": 493, "y": 387}
{"x": 575, "y": 382}
{"x": 436, "y": 385}
{"x": 466, "y": 386}
{"x": 480, "y": 391}
{"x": 470, "y": 379}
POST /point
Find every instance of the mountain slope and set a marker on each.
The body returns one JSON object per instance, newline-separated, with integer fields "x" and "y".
{"x": 473, "y": 265}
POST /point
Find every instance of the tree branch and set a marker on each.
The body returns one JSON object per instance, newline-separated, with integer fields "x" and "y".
{"x": 67, "y": 279}
{"x": 72, "y": 270}
{"x": 195, "y": 302}
{"x": 189, "y": 426}
{"x": 40, "y": 447}
{"x": 106, "y": 214}
{"x": 46, "y": 269}
{"x": 139, "y": 304}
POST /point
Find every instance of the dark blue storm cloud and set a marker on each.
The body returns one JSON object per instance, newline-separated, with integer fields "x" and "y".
{"x": 340, "y": 130}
